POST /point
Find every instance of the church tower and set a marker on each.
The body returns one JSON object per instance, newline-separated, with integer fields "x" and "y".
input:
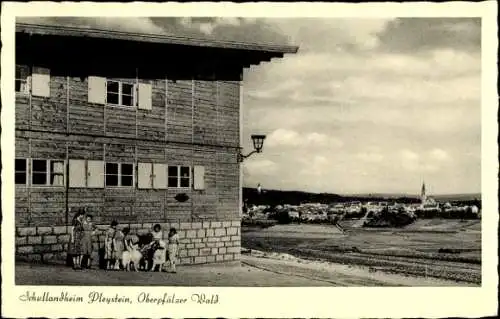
{"x": 423, "y": 196}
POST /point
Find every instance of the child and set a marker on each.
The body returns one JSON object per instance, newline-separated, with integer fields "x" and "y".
{"x": 173, "y": 247}
{"x": 88, "y": 232}
{"x": 157, "y": 236}
{"x": 118, "y": 246}
{"x": 108, "y": 244}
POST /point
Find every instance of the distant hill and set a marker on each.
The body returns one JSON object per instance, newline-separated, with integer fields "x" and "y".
{"x": 280, "y": 197}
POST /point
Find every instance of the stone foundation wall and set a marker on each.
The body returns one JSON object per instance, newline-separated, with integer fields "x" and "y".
{"x": 200, "y": 242}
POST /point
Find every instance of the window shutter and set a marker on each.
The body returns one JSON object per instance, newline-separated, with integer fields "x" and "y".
{"x": 199, "y": 177}
{"x": 144, "y": 175}
{"x": 160, "y": 176}
{"x": 97, "y": 90}
{"x": 77, "y": 174}
{"x": 95, "y": 174}
{"x": 145, "y": 102}
{"x": 40, "y": 82}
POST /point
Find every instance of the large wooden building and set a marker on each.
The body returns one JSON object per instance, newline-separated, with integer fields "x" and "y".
{"x": 137, "y": 128}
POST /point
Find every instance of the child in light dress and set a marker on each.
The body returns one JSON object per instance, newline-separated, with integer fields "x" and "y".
{"x": 173, "y": 249}
{"x": 108, "y": 245}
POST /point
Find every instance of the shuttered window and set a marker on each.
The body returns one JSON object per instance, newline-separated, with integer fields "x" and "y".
{"x": 40, "y": 82}
{"x": 199, "y": 177}
{"x": 77, "y": 173}
{"x": 145, "y": 175}
{"x": 97, "y": 89}
{"x": 47, "y": 172}
{"x": 179, "y": 176}
{"x": 159, "y": 176}
{"x": 95, "y": 174}
{"x": 21, "y": 171}
{"x": 23, "y": 79}
{"x": 120, "y": 93}
{"x": 119, "y": 174}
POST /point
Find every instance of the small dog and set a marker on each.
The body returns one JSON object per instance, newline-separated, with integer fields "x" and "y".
{"x": 131, "y": 255}
{"x": 160, "y": 256}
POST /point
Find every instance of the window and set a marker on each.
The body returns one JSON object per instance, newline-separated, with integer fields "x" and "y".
{"x": 47, "y": 172}
{"x": 22, "y": 79}
{"x": 179, "y": 176}
{"x": 21, "y": 171}
{"x": 119, "y": 174}
{"x": 119, "y": 93}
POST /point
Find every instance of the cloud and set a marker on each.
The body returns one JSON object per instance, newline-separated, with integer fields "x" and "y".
{"x": 290, "y": 138}
{"x": 260, "y": 166}
{"x": 439, "y": 154}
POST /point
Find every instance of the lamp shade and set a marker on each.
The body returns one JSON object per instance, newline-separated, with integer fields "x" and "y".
{"x": 258, "y": 142}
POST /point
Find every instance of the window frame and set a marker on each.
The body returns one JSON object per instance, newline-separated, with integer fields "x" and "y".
{"x": 119, "y": 175}
{"x": 48, "y": 172}
{"x": 120, "y": 94}
{"x": 26, "y": 172}
{"x": 178, "y": 176}
{"x": 26, "y": 81}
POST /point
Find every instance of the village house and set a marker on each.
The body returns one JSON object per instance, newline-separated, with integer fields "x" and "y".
{"x": 137, "y": 128}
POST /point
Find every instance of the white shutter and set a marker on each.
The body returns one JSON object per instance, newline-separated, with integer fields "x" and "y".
{"x": 97, "y": 89}
{"x": 95, "y": 174}
{"x": 160, "y": 176}
{"x": 199, "y": 177}
{"x": 144, "y": 175}
{"x": 144, "y": 91}
{"x": 40, "y": 82}
{"x": 77, "y": 173}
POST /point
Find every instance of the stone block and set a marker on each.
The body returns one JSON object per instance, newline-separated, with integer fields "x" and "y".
{"x": 57, "y": 230}
{"x": 215, "y": 224}
{"x": 184, "y": 240}
{"x": 44, "y": 230}
{"x": 196, "y": 240}
{"x": 135, "y": 226}
{"x": 237, "y": 256}
{"x": 143, "y": 231}
{"x": 34, "y": 240}
{"x": 220, "y": 232}
{"x": 191, "y": 233}
{"x": 219, "y": 244}
{"x": 56, "y": 247}
{"x": 219, "y": 258}
{"x": 213, "y": 239}
{"x": 21, "y": 240}
{"x": 237, "y": 243}
{"x": 225, "y": 238}
{"x": 233, "y": 250}
{"x": 226, "y": 224}
{"x": 237, "y": 237}
{"x": 188, "y": 246}
{"x": 205, "y": 251}
{"x": 63, "y": 238}
{"x": 210, "y": 259}
{"x": 49, "y": 239}
{"x": 186, "y": 260}
{"x": 222, "y": 250}
{"x": 196, "y": 225}
{"x": 181, "y": 233}
{"x": 182, "y": 253}
{"x": 236, "y": 223}
{"x": 185, "y": 226}
{"x": 26, "y": 231}
{"x": 199, "y": 245}
{"x": 193, "y": 252}
{"x": 201, "y": 233}
{"x": 214, "y": 251}
{"x": 228, "y": 257}
{"x": 24, "y": 249}
{"x": 206, "y": 224}
{"x": 210, "y": 232}
{"x": 231, "y": 231}
{"x": 210, "y": 244}
{"x": 148, "y": 226}
{"x": 41, "y": 248}
{"x": 200, "y": 260}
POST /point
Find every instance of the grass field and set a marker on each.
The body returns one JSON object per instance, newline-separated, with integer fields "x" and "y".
{"x": 447, "y": 249}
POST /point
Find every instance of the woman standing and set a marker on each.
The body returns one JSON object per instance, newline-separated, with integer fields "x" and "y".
{"x": 118, "y": 246}
{"x": 88, "y": 232}
{"x": 173, "y": 248}
{"x": 76, "y": 237}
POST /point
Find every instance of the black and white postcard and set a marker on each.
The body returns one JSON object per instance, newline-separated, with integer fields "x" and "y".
{"x": 249, "y": 160}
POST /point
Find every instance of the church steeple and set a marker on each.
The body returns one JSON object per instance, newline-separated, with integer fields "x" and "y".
{"x": 423, "y": 196}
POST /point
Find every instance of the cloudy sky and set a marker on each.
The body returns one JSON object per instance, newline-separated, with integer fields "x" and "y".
{"x": 365, "y": 106}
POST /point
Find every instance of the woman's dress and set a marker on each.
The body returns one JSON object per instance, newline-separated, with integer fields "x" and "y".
{"x": 77, "y": 242}
{"x": 88, "y": 228}
{"x": 118, "y": 245}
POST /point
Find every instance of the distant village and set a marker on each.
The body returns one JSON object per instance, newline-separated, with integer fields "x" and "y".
{"x": 382, "y": 212}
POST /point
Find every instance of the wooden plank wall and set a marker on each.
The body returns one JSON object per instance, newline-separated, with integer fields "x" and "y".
{"x": 191, "y": 123}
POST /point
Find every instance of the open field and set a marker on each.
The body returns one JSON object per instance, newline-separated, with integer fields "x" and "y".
{"x": 446, "y": 249}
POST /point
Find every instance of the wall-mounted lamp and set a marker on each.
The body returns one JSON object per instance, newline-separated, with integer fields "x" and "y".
{"x": 258, "y": 143}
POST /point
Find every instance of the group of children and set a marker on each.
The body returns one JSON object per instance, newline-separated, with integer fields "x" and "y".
{"x": 121, "y": 245}
{"x": 152, "y": 248}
